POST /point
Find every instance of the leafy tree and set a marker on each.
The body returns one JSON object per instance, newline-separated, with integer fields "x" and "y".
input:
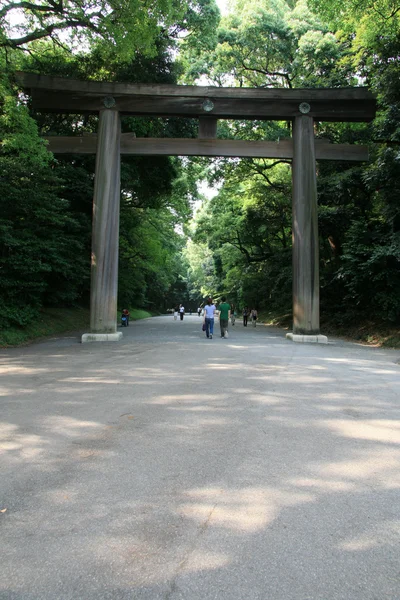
{"x": 279, "y": 44}
{"x": 41, "y": 258}
{"x": 245, "y": 231}
{"x": 127, "y": 27}
{"x": 272, "y": 44}
{"x": 149, "y": 257}
{"x": 370, "y": 271}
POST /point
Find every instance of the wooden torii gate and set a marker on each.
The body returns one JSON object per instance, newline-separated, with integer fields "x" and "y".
{"x": 208, "y": 104}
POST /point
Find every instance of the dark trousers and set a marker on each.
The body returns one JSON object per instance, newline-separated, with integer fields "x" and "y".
{"x": 245, "y": 320}
{"x": 223, "y": 323}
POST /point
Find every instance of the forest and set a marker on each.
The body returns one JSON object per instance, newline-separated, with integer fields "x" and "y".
{"x": 194, "y": 227}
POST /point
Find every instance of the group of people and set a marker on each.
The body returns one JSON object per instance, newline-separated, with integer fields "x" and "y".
{"x": 210, "y": 309}
{"x": 253, "y": 314}
{"x": 179, "y": 310}
{"x": 226, "y": 312}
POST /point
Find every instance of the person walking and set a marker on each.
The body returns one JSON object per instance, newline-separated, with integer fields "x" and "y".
{"x": 224, "y": 314}
{"x": 176, "y": 311}
{"x": 245, "y": 315}
{"x": 253, "y": 316}
{"x": 181, "y": 311}
{"x": 233, "y": 315}
{"x": 209, "y": 314}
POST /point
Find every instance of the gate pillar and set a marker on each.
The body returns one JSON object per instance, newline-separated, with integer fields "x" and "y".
{"x": 105, "y": 231}
{"x": 305, "y": 235}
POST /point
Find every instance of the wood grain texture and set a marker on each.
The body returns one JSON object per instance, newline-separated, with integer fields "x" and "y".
{"x": 105, "y": 228}
{"x": 60, "y": 84}
{"x": 56, "y": 94}
{"x": 208, "y": 127}
{"x": 206, "y": 147}
{"x": 305, "y": 230}
{"x": 229, "y": 107}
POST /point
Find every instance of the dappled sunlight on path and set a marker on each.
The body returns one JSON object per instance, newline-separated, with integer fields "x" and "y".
{"x": 170, "y": 466}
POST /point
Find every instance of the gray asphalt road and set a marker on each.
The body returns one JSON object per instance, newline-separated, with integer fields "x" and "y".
{"x": 169, "y": 466}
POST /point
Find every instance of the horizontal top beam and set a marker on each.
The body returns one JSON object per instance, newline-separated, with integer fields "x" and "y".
{"x": 62, "y": 84}
{"x": 55, "y": 94}
{"x": 132, "y": 145}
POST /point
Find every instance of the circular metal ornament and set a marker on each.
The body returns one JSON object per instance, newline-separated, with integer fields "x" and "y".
{"x": 208, "y": 105}
{"x": 109, "y": 101}
{"x": 304, "y": 108}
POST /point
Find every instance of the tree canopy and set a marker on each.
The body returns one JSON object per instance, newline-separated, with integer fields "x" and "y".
{"x": 124, "y": 27}
{"x": 238, "y": 242}
{"x": 289, "y": 44}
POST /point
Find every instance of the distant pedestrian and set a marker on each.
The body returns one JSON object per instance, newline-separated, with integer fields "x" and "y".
{"x": 233, "y": 315}
{"x": 199, "y": 311}
{"x": 224, "y": 314}
{"x": 176, "y": 311}
{"x": 245, "y": 315}
{"x": 253, "y": 316}
{"x": 181, "y": 311}
{"x": 209, "y": 314}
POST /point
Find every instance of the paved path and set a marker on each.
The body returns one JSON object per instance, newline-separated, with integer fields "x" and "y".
{"x": 173, "y": 467}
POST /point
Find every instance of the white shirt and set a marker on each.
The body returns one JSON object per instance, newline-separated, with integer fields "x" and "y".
{"x": 209, "y": 311}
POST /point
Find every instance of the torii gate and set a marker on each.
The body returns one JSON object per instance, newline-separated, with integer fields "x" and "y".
{"x": 208, "y": 104}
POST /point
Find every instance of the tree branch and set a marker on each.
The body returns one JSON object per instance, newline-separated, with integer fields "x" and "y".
{"x": 47, "y": 32}
{"x": 267, "y": 73}
{"x": 239, "y": 245}
{"x": 57, "y": 7}
{"x": 261, "y": 171}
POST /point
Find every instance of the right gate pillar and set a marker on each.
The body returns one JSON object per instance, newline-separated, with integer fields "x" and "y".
{"x": 305, "y": 235}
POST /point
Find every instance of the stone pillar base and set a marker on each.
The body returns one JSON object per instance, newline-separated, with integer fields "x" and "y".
{"x": 307, "y": 339}
{"x": 102, "y": 337}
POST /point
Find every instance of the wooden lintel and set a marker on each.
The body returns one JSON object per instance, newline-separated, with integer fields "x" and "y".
{"x": 55, "y": 94}
{"x": 206, "y": 147}
{"x": 65, "y": 85}
{"x": 193, "y": 107}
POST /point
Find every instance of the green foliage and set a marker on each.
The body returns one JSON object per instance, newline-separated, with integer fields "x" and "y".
{"x": 48, "y": 321}
{"x": 240, "y": 241}
{"x": 55, "y": 321}
{"x": 137, "y": 313}
{"x": 241, "y": 238}
{"x": 247, "y": 226}
{"x": 41, "y": 257}
{"x": 272, "y": 44}
{"x": 128, "y": 27}
{"x": 149, "y": 257}
{"x": 370, "y": 270}
{"x": 155, "y": 191}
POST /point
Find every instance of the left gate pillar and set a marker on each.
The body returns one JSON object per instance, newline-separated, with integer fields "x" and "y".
{"x": 105, "y": 232}
{"x": 305, "y": 235}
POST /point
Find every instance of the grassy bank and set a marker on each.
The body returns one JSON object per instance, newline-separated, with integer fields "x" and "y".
{"x": 53, "y": 322}
{"x": 373, "y": 333}
{"x": 139, "y": 313}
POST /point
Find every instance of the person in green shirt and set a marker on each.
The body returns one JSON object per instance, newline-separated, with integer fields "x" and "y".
{"x": 224, "y": 314}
